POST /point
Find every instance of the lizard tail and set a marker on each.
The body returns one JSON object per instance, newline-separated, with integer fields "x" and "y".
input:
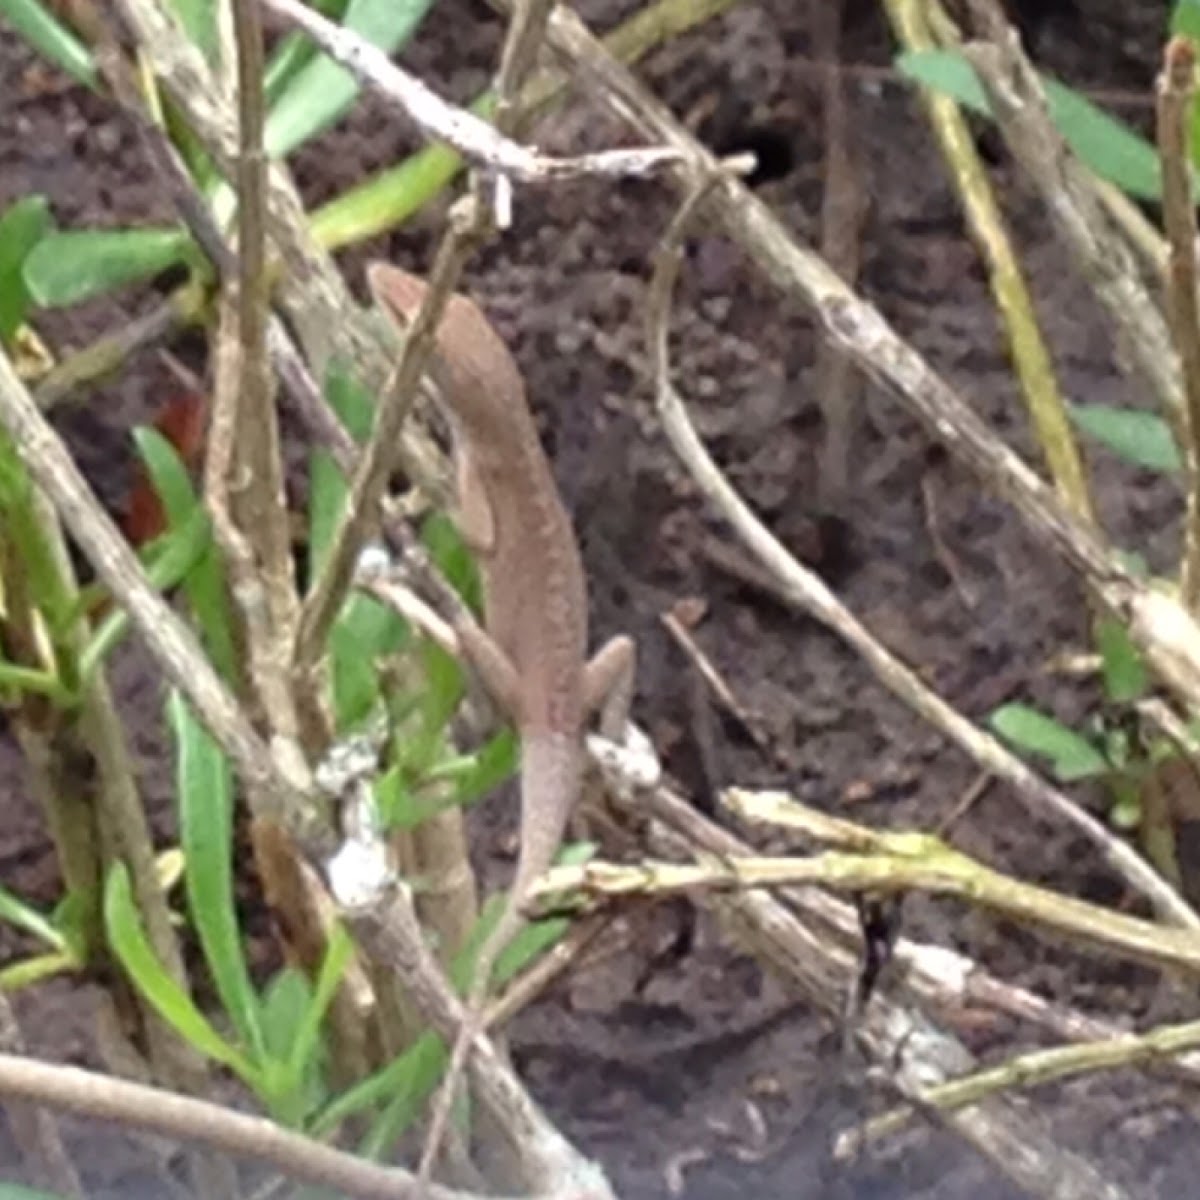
{"x": 550, "y": 769}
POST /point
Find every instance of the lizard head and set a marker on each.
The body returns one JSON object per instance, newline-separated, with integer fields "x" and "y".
{"x": 473, "y": 365}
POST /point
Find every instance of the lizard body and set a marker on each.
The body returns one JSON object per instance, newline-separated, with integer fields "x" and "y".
{"x": 531, "y": 654}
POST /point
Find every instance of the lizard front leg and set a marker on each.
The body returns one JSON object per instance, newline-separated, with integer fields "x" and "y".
{"x": 608, "y": 680}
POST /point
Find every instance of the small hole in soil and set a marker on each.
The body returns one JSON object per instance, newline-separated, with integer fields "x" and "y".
{"x": 990, "y": 144}
{"x": 770, "y": 145}
{"x": 165, "y": 282}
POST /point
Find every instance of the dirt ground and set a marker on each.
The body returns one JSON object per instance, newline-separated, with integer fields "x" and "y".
{"x": 675, "y": 1066}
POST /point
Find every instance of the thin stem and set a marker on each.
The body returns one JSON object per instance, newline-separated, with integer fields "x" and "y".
{"x": 1176, "y": 90}
{"x": 106, "y": 1098}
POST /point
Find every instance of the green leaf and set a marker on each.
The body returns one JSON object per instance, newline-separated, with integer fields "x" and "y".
{"x": 1125, "y": 812}
{"x": 327, "y": 494}
{"x": 168, "y": 999}
{"x": 492, "y": 764}
{"x": 319, "y": 94}
{"x": 1108, "y": 146}
{"x": 199, "y": 21}
{"x": 16, "y": 912}
{"x": 528, "y": 943}
{"x": 386, "y": 200}
{"x": 29, "y": 971}
{"x": 306, "y": 1043}
{"x": 1072, "y": 756}
{"x": 423, "y": 1067}
{"x": 445, "y": 687}
{"x": 1124, "y": 672}
{"x": 294, "y": 51}
{"x": 365, "y": 630}
{"x": 284, "y": 1001}
{"x": 14, "y": 1191}
{"x": 169, "y": 476}
{"x": 204, "y": 794}
{"x": 444, "y": 543}
{"x": 50, "y": 38}
{"x": 23, "y": 225}
{"x": 1142, "y": 438}
{"x": 169, "y": 560}
{"x": 289, "y": 1094}
{"x": 404, "y": 1084}
{"x": 204, "y": 583}
{"x": 1185, "y": 18}
{"x": 75, "y": 265}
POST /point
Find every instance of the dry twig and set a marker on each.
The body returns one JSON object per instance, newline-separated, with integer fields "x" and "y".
{"x": 471, "y": 136}
{"x": 104, "y": 1098}
{"x": 809, "y": 593}
{"x": 1176, "y": 89}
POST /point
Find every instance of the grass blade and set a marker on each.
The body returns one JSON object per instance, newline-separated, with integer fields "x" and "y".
{"x": 50, "y": 38}
{"x": 170, "y": 1001}
{"x": 319, "y": 94}
{"x": 204, "y": 792}
{"x": 75, "y": 265}
{"x": 23, "y": 225}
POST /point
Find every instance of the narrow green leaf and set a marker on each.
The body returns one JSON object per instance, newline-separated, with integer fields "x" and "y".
{"x": 1125, "y": 676}
{"x": 283, "y": 1004}
{"x": 383, "y": 201}
{"x": 423, "y": 1067}
{"x": 72, "y": 917}
{"x": 307, "y": 1040}
{"x": 204, "y": 794}
{"x": 1103, "y": 143}
{"x": 492, "y": 764}
{"x": 319, "y": 94}
{"x": 169, "y": 560}
{"x": 365, "y": 630}
{"x": 175, "y": 1006}
{"x": 404, "y": 1082}
{"x": 1108, "y": 146}
{"x": 37, "y": 683}
{"x": 353, "y": 405}
{"x": 1072, "y": 756}
{"x": 29, "y": 971}
{"x": 444, "y": 543}
{"x": 290, "y": 1095}
{"x": 1126, "y": 811}
{"x": 386, "y": 200}
{"x": 446, "y": 686}
{"x": 199, "y": 21}
{"x": 1185, "y": 18}
{"x": 294, "y": 51}
{"x": 16, "y": 912}
{"x": 75, "y": 265}
{"x": 204, "y": 583}
{"x": 50, "y": 38}
{"x": 529, "y": 942}
{"x": 1142, "y": 438}
{"x": 23, "y": 225}
{"x": 169, "y": 476}
{"x": 14, "y": 1191}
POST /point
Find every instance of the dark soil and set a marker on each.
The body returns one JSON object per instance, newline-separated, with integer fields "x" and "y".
{"x": 674, "y": 1068}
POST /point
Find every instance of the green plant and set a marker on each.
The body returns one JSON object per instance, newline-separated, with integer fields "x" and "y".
{"x": 1115, "y": 153}
{"x": 1112, "y": 747}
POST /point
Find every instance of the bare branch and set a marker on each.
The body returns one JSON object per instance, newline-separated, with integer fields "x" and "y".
{"x": 378, "y": 460}
{"x": 106, "y": 1098}
{"x": 280, "y": 780}
{"x": 471, "y": 136}
{"x": 809, "y": 593}
{"x": 1176, "y": 90}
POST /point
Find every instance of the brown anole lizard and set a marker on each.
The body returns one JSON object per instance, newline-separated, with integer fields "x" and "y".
{"x": 530, "y": 654}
